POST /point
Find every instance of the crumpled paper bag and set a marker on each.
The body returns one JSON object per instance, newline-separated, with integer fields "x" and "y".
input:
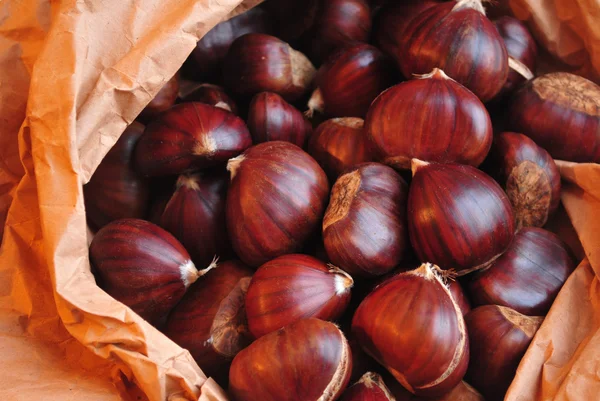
{"x": 73, "y": 74}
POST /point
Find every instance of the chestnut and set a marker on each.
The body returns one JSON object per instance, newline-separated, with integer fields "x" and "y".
{"x": 262, "y": 63}
{"x": 400, "y": 124}
{"x": 188, "y": 137}
{"x": 415, "y": 313}
{"x": 292, "y": 287}
{"x": 210, "y": 320}
{"x": 116, "y": 190}
{"x": 458, "y": 217}
{"x": 164, "y": 99}
{"x": 276, "y": 199}
{"x": 292, "y": 19}
{"x": 462, "y": 392}
{"x": 338, "y": 144}
{"x": 143, "y": 266}
{"x": 213, "y": 95}
{"x": 308, "y": 360}
{"x": 392, "y": 20}
{"x": 350, "y": 80}
{"x": 528, "y": 276}
{"x": 529, "y": 176}
{"x": 499, "y": 337}
{"x": 271, "y": 118}
{"x": 459, "y": 296}
{"x": 339, "y": 23}
{"x": 370, "y": 387}
{"x": 560, "y": 112}
{"x": 457, "y": 38}
{"x": 520, "y": 47}
{"x": 206, "y": 60}
{"x": 365, "y": 228}
{"x": 195, "y": 215}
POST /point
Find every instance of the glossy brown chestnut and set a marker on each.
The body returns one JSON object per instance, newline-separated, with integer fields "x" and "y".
{"x": 338, "y": 24}
{"x": 116, "y": 190}
{"x": 308, "y": 360}
{"x": 188, "y": 137}
{"x": 458, "y": 217}
{"x": 459, "y": 296}
{"x": 364, "y": 228}
{"x": 271, "y": 118}
{"x": 432, "y": 118}
{"x": 499, "y": 338}
{"x": 210, "y": 320}
{"x": 164, "y": 99}
{"x": 370, "y": 387}
{"x": 207, "y": 58}
{"x": 457, "y": 38}
{"x": 262, "y": 63}
{"x": 392, "y": 20}
{"x": 276, "y": 199}
{"x": 528, "y": 276}
{"x": 350, "y": 80}
{"x": 529, "y": 176}
{"x": 195, "y": 215}
{"x": 561, "y": 113}
{"x": 143, "y": 266}
{"x": 414, "y": 328}
{"x": 521, "y": 47}
{"x": 294, "y": 287}
{"x": 213, "y": 95}
{"x": 339, "y": 144}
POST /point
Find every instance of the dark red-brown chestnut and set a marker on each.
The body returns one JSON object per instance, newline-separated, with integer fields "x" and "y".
{"x": 262, "y": 63}
{"x": 370, "y": 387}
{"x": 292, "y": 19}
{"x": 458, "y": 217}
{"x": 364, "y": 228}
{"x": 529, "y": 176}
{"x": 561, "y": 113}
{"x": 294, "y": 287}
{"x": 338, "y": 144}
{"x": 528, "y": 276}
{"x": 195, "y": 215}
{"x": 308, "y": 360}
{"x": 164, "y": 99}
{"x": 116, "y": 190}
{"x": 392, "y": 20}
{"x": 349, "y": 81}
{"x": 188, "y": 137}
{"x": 213, "y": 95}
{"x": 414, "y": 328}
{"x": 499, "y": 337}
{"x": 271, "y": 118}
{"x": 206, "y": 60}
{"x": 459, "y": 296}
{"x": 432, "y": 118}
{"x": 457, "y": 38}
{"x": 143, "y": 266}
{"x": 276, "y": 199}
{"x": 338, "y": 24}
{"x": 521, "y": 49}
{"x": 210, "y": 320}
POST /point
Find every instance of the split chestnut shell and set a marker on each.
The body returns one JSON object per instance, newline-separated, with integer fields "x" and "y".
{"x": 432, "y": 118}
{"x": 414, "y": 328}
{"x": 458, "y": 217}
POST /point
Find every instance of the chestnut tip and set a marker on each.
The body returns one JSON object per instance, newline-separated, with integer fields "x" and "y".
{"x": 234, "y": 164}
{"x": 520, "y": 68}
{"x": 436, "y": 73}
{"x": 224, "y": 106}
{"x": 315, "y": 103}
{"x": 189, "y": 181}
{"x": 343, "y": 281}
{"x": 352, "y": 122}
{"x": 476, "y": 5}
{"x": 189, "y": 272}
{"x": 416, "y": 164}
{"x": 206, "y": 146}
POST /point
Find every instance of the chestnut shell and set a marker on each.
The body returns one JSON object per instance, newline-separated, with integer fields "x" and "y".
{"x": 276, "y": 199}
{"x": 458, "y": 217}
{"x": 462, "y": 42}
{"x": 432, "y": 118}
{"x": 528, "y": 276}
{"x": 213, "y": 95}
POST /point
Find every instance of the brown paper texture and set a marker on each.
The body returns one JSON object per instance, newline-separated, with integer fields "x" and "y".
{"x": 73, "y": 74}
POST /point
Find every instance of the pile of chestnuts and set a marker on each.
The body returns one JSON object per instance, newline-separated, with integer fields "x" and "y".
{"x": 319, "y": 206}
